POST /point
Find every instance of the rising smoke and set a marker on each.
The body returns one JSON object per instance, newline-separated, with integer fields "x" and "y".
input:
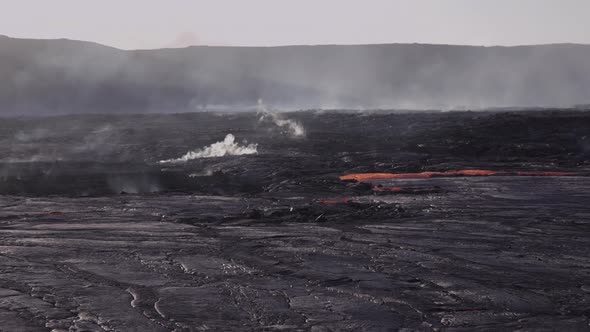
{"x": 290, "y": 127}
{"x": 98, "y": 79}
{"x": 227, "y": 147}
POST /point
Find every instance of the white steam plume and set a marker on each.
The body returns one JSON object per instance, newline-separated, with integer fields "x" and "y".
{"x": 294, "y": 128}
{"x": 228, "y": 147}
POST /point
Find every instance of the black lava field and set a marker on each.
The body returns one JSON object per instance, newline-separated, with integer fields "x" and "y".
{"x": 447, "y": 221}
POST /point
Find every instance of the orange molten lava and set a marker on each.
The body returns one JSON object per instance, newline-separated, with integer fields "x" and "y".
{"x": 388, "y": 189}
{"x": 364, "y": 177}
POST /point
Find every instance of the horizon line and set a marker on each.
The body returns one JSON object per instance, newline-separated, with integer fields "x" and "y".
{"x": 295, "y": 45}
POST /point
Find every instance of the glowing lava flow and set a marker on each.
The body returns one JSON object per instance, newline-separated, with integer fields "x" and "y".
{"x": 364, "y": 177}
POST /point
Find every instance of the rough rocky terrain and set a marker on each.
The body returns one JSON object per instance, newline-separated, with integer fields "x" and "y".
{"x": 97, "y": 235}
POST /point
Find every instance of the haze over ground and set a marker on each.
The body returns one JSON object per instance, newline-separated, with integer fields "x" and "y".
{"x": 65, "y": 77}
{"x": 61, "y": 76}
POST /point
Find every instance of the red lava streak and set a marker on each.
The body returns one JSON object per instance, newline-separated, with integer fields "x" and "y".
{"x": 389, "y": 189}
{"x": 363, "y": 177}
{"x": 335, "y": 201}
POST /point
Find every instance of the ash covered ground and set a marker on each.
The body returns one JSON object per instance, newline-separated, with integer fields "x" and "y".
{"x": 168, "y": 223}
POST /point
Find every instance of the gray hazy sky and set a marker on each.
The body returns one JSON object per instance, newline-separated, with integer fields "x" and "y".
{"x": 132, "y": 24}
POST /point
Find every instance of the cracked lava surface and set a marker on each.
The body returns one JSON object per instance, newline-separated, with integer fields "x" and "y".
{"x": 276, "y": 241}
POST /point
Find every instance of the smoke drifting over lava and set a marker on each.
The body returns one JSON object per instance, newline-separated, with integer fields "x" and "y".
{"x": 290, "y": 127}
{"x": 64, "y": 77}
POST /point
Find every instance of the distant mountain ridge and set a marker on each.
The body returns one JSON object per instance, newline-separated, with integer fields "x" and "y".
{"x": 65, "y": 76}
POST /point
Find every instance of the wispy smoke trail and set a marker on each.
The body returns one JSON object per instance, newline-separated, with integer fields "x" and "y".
{"x": 293, "y": 128}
